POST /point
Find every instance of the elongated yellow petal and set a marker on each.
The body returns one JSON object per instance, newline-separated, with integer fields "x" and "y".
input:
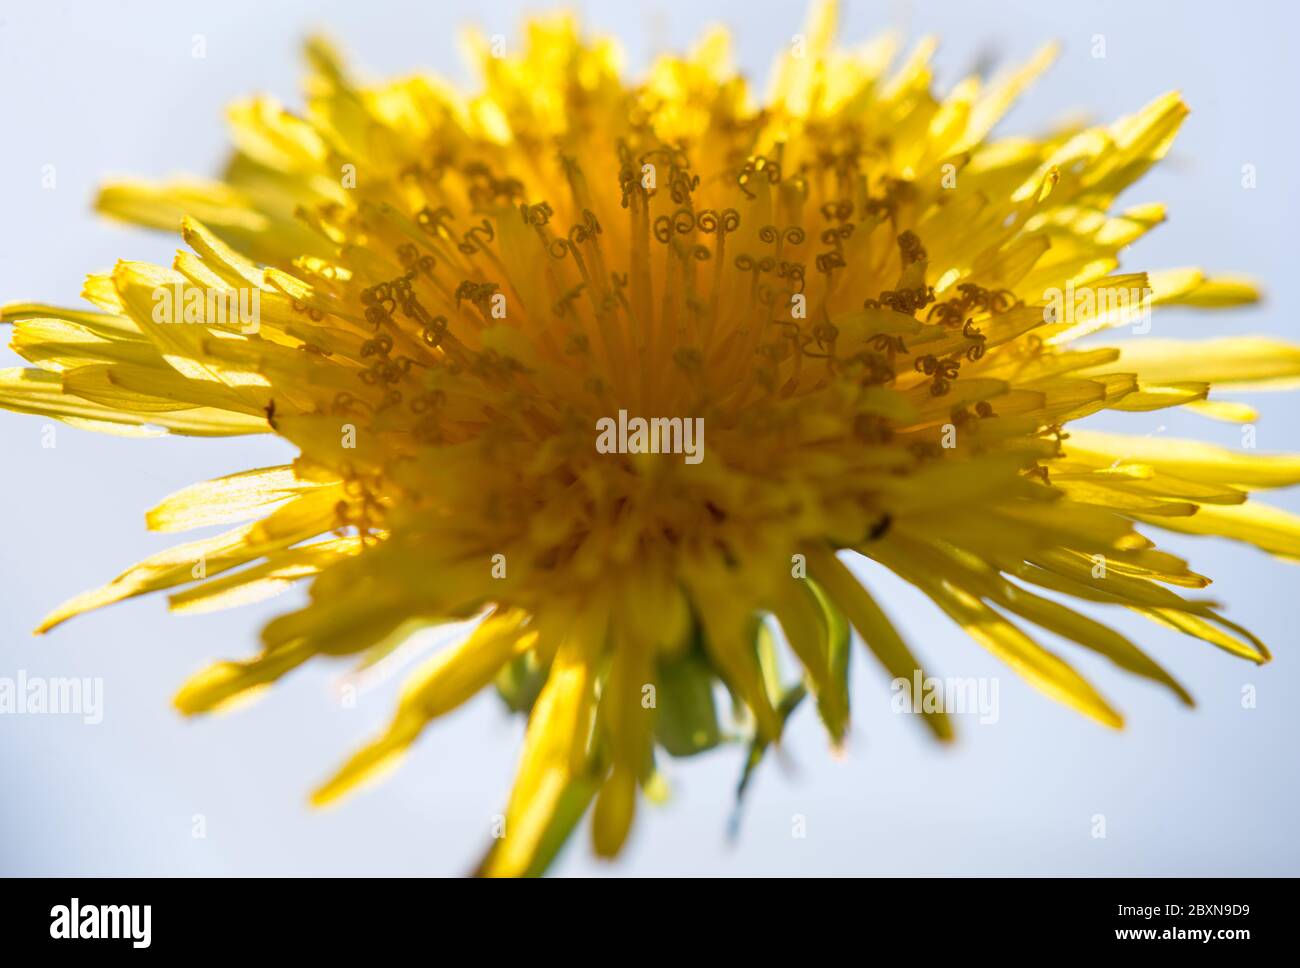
{"x": 281, "y": 570}
{"x": 1232, "y": 638}
{"x": 1251, "y": 362}
{"x": 1003, "y": 94}
{"x": 227, "y": 499}
{"x": 1218, "y": 293}
{"x": 1159, "y": 397}
{"x": 444, "y": 682}
{"x": 980, "y": 579}
{"x": 1229, "y": 410}
{"x": 628, "y": 721}
{"x": 816, "y": 635}
{"x": 298, "y": 520}
{"x": 1272, "y": 529}
{"x": 59, "y": 344}
{"x": 1039, "y": 667}
{"x": 872, "y": 624}
{"x": 43, "y": 393}
{"x": 555, "y": 750}
{"x": 730, "y": 625}
{"x": 1187, "y": 459}
{"x": 225, "y": 684}
{"x": 615, "y": 806}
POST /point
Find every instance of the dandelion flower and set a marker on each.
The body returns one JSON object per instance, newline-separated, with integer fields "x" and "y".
{"x": 869, "y": 307}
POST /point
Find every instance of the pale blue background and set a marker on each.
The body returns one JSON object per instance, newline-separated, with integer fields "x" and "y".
{"x": 110, "y": 87}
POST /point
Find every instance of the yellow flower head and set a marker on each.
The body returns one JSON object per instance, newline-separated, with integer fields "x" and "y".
{"x": 619, "y": 368}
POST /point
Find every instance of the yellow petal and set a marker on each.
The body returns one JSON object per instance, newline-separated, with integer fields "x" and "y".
{"x": 872, "y": 624}
{"x": 302, "y": 518}
{"x": 612, "y": 818}
{"x": 1228, "y": 410}
{"x": 444, "y": 682}
{"x": 555, "y": 749}
{"x": 235, "y": 497}
{"x": 41, "y": 392}
{"x": 1040, "y": 668}
{"x": 1269, "y": 528}
{"x": 1255, "y": 362}
{"x": 226, "y": 684}
{"x": 280, "y": 571}
{"x": 1187, "y": 459}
